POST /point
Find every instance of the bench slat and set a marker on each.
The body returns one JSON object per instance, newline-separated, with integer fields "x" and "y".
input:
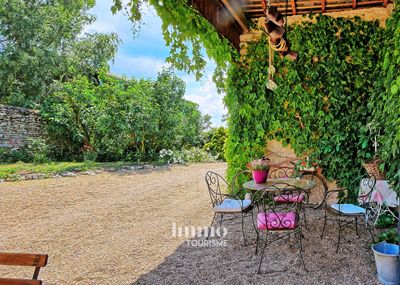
{"x": 5, "y": 281}
{"x": 22, "y": 259}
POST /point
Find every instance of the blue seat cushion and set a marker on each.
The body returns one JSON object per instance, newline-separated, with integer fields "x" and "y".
{"x": 348, "y": 209}
{"x": 232, "y": 206}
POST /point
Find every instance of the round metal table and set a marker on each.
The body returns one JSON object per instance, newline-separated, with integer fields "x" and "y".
{"x": 304, "y": 184}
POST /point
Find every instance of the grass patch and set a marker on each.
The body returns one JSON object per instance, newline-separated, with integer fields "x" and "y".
{"x": 15, "y": 170}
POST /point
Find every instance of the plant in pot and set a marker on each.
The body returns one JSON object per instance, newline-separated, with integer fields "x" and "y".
{"x": 308, "y": 164}
{"x": 259, "y": 169}
{"x": 374, "y": 166}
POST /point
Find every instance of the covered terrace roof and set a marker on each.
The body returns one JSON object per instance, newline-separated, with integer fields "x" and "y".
{"x": 232, "y": 17}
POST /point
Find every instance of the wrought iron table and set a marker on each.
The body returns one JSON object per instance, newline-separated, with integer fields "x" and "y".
{"x": 299, "y": 183}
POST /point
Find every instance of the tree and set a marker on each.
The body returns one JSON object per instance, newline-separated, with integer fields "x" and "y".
{"x": 120, "y": 118}
{"x": 188, "y": 34}
{"x": 41, "y": 42}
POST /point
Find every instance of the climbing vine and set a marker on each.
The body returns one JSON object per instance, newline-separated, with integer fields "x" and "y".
{"x": 320, "y": 105}
{"x": 386, "y": 102}
{"x": 187, "y": 33}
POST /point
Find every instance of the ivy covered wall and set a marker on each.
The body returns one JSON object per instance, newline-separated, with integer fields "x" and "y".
{"x": 386, "y": 101}
{"x": 323, "y": 101}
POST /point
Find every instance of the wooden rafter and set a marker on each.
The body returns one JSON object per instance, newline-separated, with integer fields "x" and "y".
{"x": 354, "y": 4}
{"x": 254, "y": 8}
{"x": 264, "y": 5}
{"x": 293, "y": 2}
{"x": 237, "y": 13}
{"x": 214, "y": 11}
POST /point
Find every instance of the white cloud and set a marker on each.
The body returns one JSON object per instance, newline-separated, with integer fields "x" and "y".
{"x": 138, "y": 66}
{"x": 210, "y": 102}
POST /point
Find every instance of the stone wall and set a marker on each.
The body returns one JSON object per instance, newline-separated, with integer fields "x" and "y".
{"x": 17, "y": 125}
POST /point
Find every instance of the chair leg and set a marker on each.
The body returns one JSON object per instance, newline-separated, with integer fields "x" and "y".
{"x": 304, "y": 216}
{"x": 370, "y": 232}
{"x": 323, "y": 228}
{"x": 256, "y": 230}
{"x": 257, "y": 242}
{"x": 300, "y": 245}
{"x": 220, "y": 221}
{"x": 262, "y": 253}
{"x": 356, "y": 222}
{"x": 340, "y": 229}
{"x": 244, "y": 237}
{"x": 212, "y": 221}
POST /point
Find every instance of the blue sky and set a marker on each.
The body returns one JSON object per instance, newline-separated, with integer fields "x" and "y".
{"x": 143, "y": 56}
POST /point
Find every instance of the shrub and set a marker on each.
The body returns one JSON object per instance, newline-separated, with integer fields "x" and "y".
{"x": 216, "y": 144}
{"x": 193, "y": 154}
{"x": 36, "y": 150}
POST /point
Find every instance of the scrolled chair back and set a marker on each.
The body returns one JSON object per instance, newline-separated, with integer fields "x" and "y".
{"x": 278, "y": 207}
{"x": 238, "y": 180}
{"x": 366, "y": 188}
{"x": 217, "y": 187}
{"x": 281, "y": 172}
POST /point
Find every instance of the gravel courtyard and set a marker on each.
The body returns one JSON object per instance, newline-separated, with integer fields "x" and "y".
{"x": 115, "y": 229}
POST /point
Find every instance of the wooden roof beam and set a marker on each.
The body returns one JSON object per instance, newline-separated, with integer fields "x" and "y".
{"x": 293, "y": 2}
{"x": 237, "y": 13}
{"x": 264, "y": 5}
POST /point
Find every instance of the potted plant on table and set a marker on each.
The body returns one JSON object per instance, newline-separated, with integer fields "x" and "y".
{"x": 308, "y": 164}
{"x": 259, "y": 169}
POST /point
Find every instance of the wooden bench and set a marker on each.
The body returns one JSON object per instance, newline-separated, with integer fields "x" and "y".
{"x": 22, "y": 259}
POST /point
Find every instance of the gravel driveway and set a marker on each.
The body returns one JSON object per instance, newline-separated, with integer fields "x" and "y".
{"x": 105, "y": 229}
{"x": 116, "y": 229}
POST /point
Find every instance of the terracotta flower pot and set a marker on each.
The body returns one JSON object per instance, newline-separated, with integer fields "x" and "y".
{"x": 260, "y": 176}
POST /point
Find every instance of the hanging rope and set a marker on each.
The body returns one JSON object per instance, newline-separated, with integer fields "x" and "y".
{"x": 271, "y": 69}
{"x": 280, "y": 46}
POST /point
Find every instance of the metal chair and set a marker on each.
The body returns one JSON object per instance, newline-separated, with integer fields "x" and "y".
{"x": 276, "y": 219}
{"x": 225, "y": 199}
{"x": 346, "y": 211}
{"x": 281, "y": 172}
{"x": 284, "y": 172}
{"x": 316, "y": 195}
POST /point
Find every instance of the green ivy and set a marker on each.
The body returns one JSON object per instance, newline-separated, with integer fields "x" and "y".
{"x": 320, "y": 105}
{"x": 386, "y": 103}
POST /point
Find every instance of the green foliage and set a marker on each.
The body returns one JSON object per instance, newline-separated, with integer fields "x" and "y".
{"x": 8, "y": 155}
{"x": 42, "y": 41}
{"x": 193, "y": 154}
{"x": 217, "y": 142}
{"x": 36, "y": 150}
{"x": 320, "y": 105}
{"x": 390, "y": 236}
{"x": 17, "y": 170}
{"x": 385, "y": 220}
{"x": 120, "y": 118}
{"x": 386, "y": 101}
{"x": 186, "y": 32}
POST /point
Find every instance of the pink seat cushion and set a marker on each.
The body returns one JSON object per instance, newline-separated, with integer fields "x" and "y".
{"x": 276, "y": 221}
{"x": 289, "y": 198}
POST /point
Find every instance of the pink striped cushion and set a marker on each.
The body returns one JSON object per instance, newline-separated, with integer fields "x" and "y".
{"x": 276, "y": 221}
{"x": 289, "y": 198}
